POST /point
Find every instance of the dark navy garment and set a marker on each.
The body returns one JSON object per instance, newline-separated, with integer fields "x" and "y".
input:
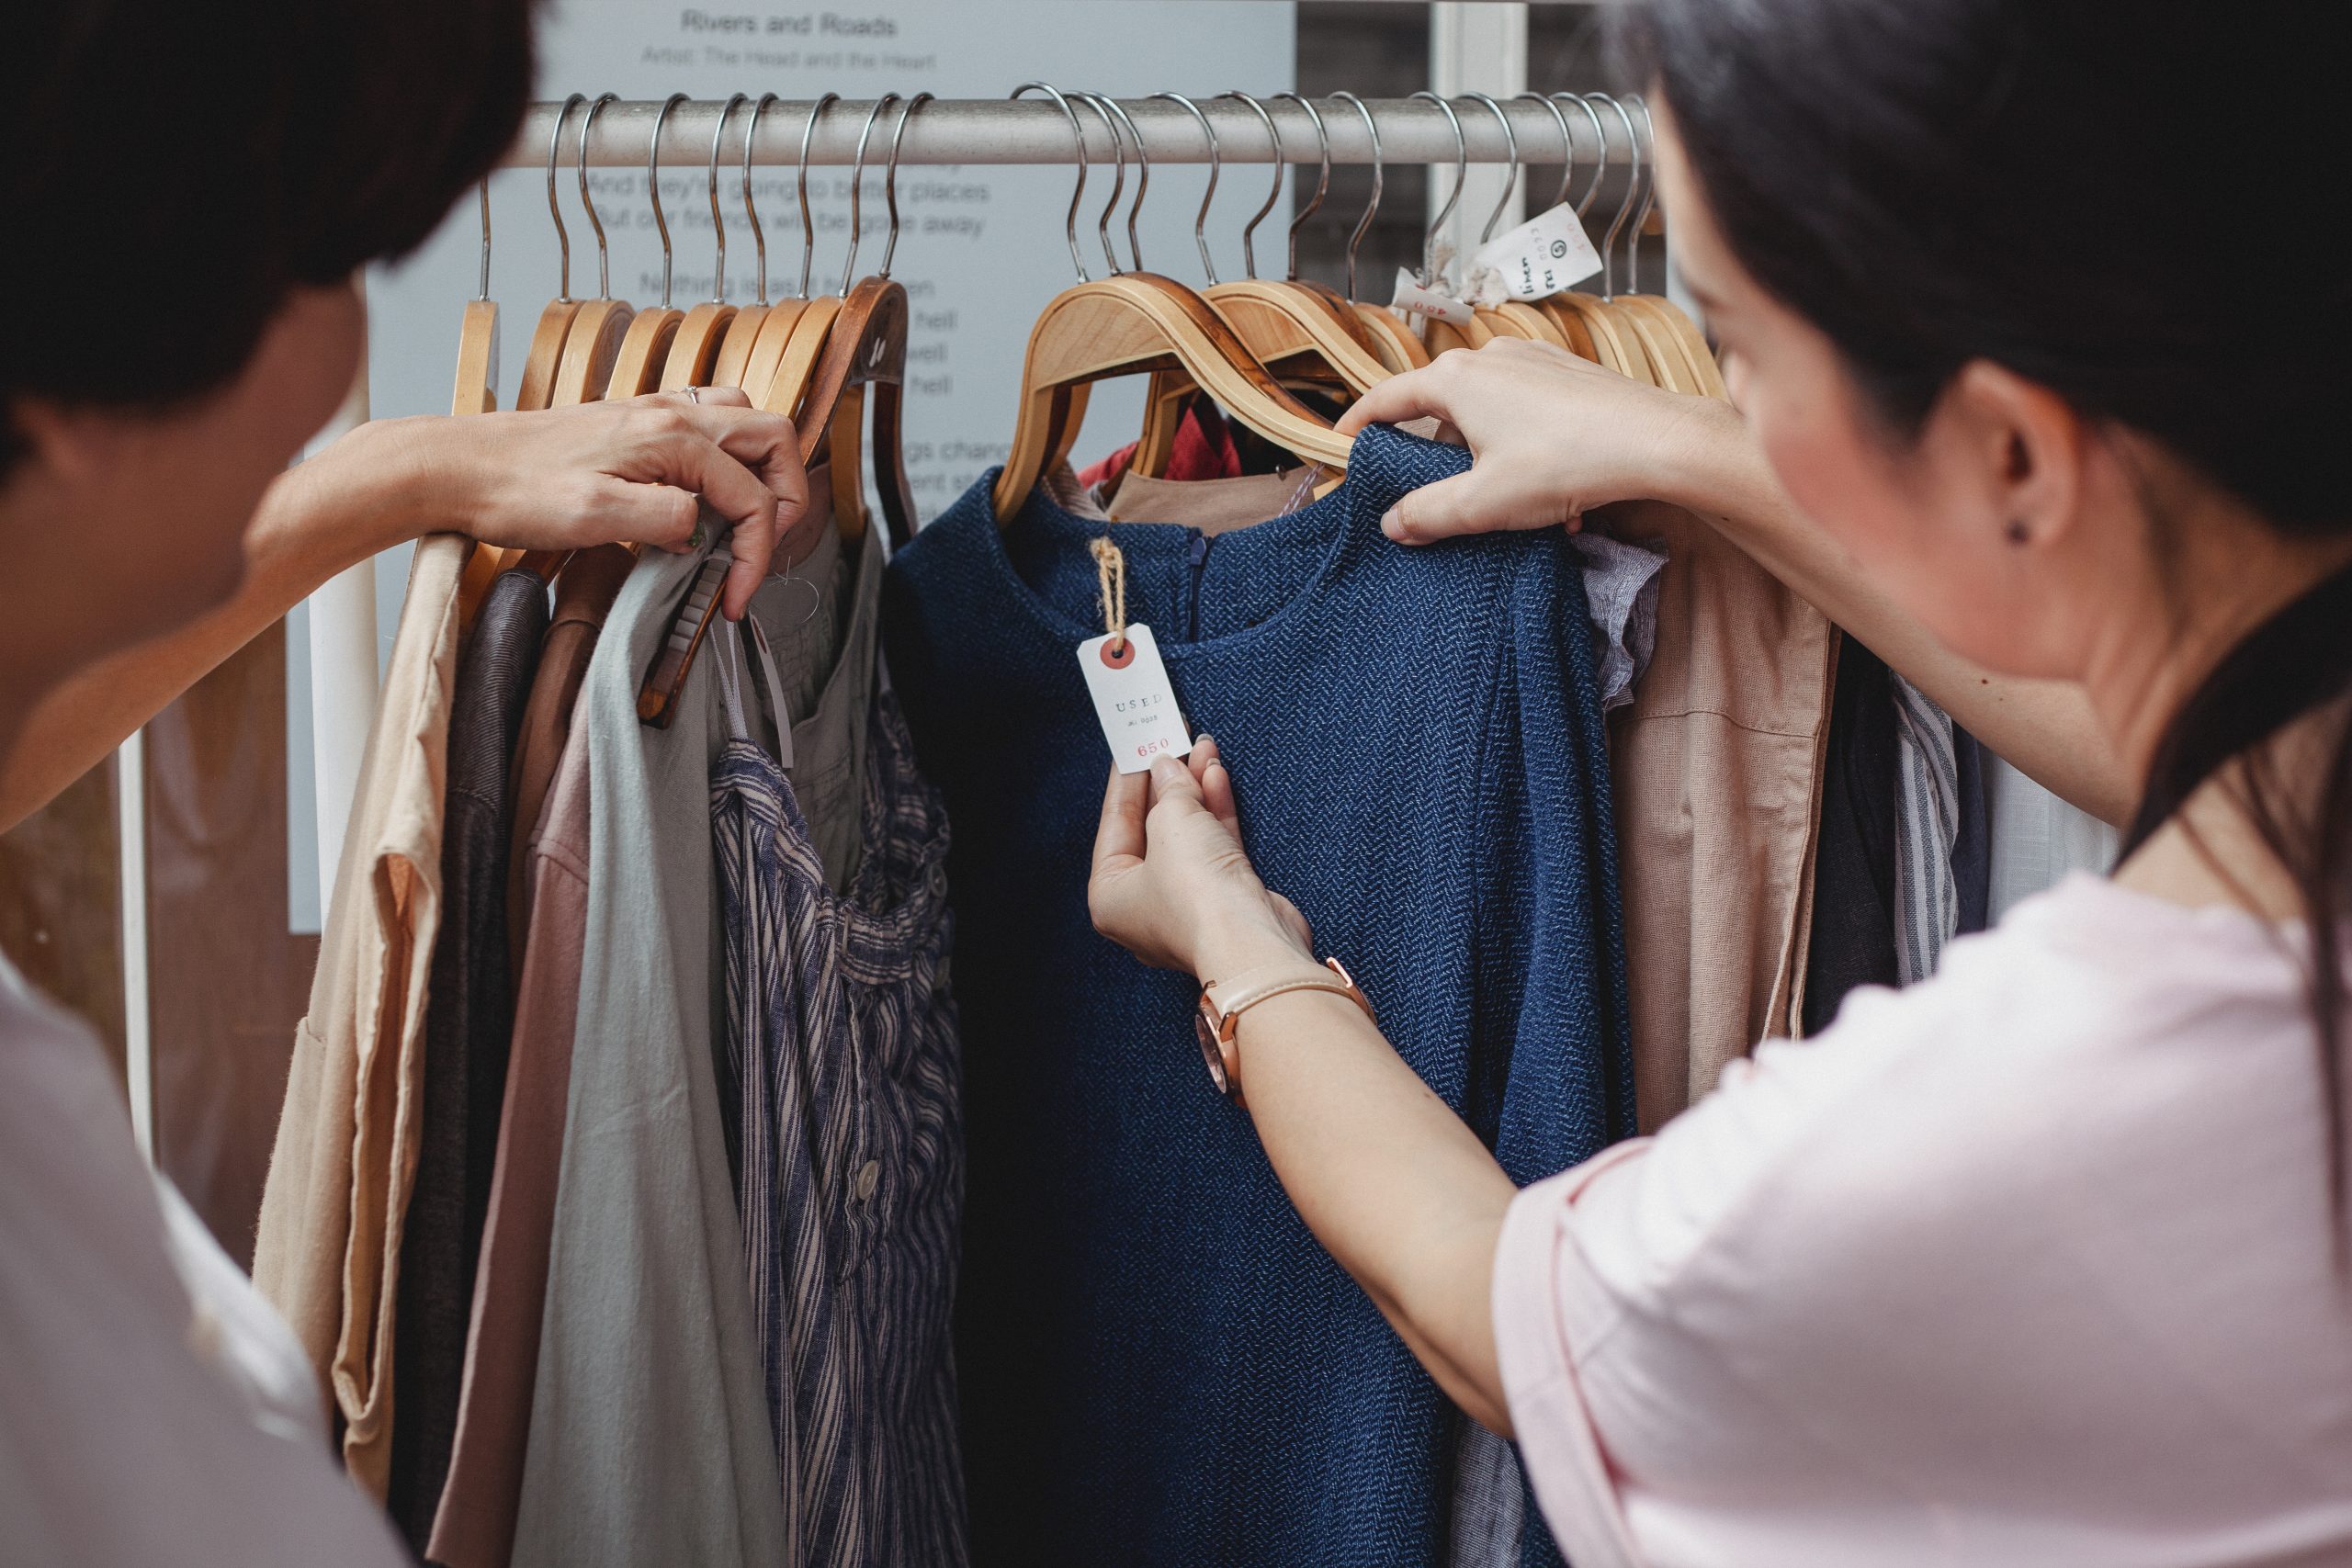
{"x": 1159, "y": 1365}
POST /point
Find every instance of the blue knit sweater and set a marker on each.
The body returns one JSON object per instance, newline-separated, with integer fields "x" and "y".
{"x": 1160, "y": 1364}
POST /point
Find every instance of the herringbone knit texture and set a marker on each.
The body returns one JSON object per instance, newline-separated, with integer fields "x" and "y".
{"x": 1158, "y": 1363}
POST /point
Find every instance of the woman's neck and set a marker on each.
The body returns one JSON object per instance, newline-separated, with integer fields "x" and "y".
{"x": 2227, "y": 574}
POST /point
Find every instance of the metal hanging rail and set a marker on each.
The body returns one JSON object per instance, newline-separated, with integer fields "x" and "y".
{"x": 1037, "y": 131}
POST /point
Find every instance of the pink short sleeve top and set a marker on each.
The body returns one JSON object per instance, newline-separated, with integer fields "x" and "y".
{"x": 2031, "y": 1263}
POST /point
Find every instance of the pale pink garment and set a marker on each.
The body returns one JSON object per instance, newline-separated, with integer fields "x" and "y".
{"x": 2029, "y": 1264}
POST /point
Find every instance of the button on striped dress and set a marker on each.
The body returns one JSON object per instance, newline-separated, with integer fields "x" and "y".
{"x": 843, "y": 1035}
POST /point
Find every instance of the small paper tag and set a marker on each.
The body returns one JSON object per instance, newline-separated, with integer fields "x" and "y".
{"x": 1131, "y": 698}
{"x": 1411, "y": 296}
{"x": 1543, "y": 255}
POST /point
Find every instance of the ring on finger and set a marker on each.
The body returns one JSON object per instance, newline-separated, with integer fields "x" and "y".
{"x": 694, "y": 394}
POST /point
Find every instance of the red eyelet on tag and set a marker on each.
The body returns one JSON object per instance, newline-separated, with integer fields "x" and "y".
{"x": 1121, "y": 655}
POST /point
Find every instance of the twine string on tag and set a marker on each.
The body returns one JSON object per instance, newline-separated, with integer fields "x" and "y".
{"x": 1111, "y": 570}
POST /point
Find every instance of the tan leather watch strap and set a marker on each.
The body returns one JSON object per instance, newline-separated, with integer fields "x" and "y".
{"x": 1235, "y": 995}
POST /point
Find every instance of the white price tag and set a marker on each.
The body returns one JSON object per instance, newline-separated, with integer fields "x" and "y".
{"x": 1543, "y": 255}
{"x": 1131, "y": 698}
{"x": 1411, "y": 296}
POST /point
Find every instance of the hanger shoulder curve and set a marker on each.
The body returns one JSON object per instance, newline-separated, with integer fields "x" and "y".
{"x": 590, "y": 349}
{"x": 1613, "y": 344}
{"x": 767, "y": 351}
{"x": 1277, "y": 322}
{"x": 797, "y": 360}
{"x": 694, "y": 348}
{"x": 545, "y": 354}
{"x": 735, "y": 350}
{"x": 1133, "y": 324}
{"x": 638, "y": 367}
{"x": 1397, "y": 347}
{"x": 477, "y": 389}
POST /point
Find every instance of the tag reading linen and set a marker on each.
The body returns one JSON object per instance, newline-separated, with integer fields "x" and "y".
{"x": 1543, "y": 255}
{"x": 1131, "y": 698}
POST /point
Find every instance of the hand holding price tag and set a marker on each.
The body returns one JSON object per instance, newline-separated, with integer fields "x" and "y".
{"x": 1132, "y": 697}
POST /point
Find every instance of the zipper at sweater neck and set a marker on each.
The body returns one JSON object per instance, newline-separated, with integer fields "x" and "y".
{"x": 1197, "y": 557}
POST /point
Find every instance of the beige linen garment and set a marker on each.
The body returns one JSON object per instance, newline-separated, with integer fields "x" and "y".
{"x": 330, "y": 1241}
{"x": 1716, "y": 767}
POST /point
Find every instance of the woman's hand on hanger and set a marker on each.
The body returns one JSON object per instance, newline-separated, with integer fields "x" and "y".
{"x": 1554, "y": 436}
{"x": 1551, "y": 437}
{"x": 640, "y": 470}
{"x": 565, "y": 478}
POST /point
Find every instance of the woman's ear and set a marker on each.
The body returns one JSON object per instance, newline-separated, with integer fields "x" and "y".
{"x": 2016, "y": 450}
{"x": 71, "y": 445}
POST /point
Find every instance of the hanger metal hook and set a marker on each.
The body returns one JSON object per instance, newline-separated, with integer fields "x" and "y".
{"x": 1599, "y": 169}
{"x": 1510, "y": 181}
{"x": 750, "y": 208}
{"x": 1142, "y": 180}
{"x": 653, "y": 185}
{"x": 1273, "y": 192}
{"x": 562, "y": 238}
{"x": 1379, "y": 178}
{"x": 1460, "y": 176}
{"x": 890, "y": 177}
{"x": 1078, "y": 135}
{"x": 1216, "y": 160}
{"x": 808, "y": 221}
{"x": 604, "y": 253}
{"x": 1322, "y": 177}
{"x": 485, "y": 239}
{"x": 1568, "y": 145}
{"x": 1648, "y": 144}
{"x": 1624, "y": 208}
{"x": 718, "y": 223}
{"x": 857, "y": 187}
{"x": 1098, "y": 104}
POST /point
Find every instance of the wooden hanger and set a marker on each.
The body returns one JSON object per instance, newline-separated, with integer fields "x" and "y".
{"x": 594, "y": 340}
{"x": 804, "y": 351}
{"x": 476, "y": 392}
{"x": 1134, "y": 323}
{"x": 546, "y": 339}
{"x": 1292, "y": 335}
{"x": 693, "y": 351}
{"x": 1332, "y": 300}
{"x": 735, "y": 350}
{"x": 868, "y": 350}
{"x": 1393, "y": 343}
{"x": 1510, "y": 318}
{"x": 775, "y": 332}
{"x": 637, "y": 369}
{"x": 1675, "y": 328}
{"x": 477, "y": 389}
{"x": 1293, "y": 332}
{"x": 1613, "y": 342}
{"x": 865, "y": 350}
{"x": 1639, "y": 339}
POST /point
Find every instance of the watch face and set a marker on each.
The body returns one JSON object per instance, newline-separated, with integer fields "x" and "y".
{"x": 1211, "y": 1052}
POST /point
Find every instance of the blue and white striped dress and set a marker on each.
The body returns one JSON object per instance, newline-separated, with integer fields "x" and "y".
{"x": 843, "y": 1035}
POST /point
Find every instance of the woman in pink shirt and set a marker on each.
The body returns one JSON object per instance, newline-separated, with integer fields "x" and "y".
{"x": 2040, "y": 354}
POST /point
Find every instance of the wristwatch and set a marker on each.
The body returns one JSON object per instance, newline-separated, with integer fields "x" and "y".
{"x": 1224, "y": 1002}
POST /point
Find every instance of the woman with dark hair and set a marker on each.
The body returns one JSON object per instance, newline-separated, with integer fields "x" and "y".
{"x": 180, "y": 249}
{"x": 2047, "y": 1260}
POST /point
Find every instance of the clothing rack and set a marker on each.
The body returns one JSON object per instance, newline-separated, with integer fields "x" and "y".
{"x": 1037, "y": 131}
